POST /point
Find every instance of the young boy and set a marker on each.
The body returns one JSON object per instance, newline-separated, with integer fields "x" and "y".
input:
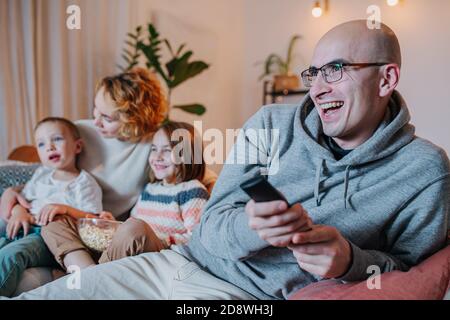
{"x": 57, "y": 188}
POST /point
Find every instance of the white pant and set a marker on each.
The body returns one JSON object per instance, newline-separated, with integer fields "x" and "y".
{"x": 159, "y": 276}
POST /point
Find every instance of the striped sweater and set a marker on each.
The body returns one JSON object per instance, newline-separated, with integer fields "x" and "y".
{"x": 172, "y": 211}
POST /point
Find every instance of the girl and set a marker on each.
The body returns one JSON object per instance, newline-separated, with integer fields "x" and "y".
{"x": 167, "y": 210}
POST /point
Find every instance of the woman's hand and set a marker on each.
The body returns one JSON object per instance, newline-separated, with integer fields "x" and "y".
{"x": 9, "y": 199}
{"x": 20, "y": 218}
{"x": 106, "y": 215}
{"x": 50, "y": 211}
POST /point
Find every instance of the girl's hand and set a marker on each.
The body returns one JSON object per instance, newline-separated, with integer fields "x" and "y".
{"x": 18, "y": 220}
{"x": 50, "y": 211}
{"x": 106, "y": 215}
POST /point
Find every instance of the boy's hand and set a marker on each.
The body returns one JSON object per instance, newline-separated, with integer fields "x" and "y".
{"x": 106, "y": 215}
{"x": 9, "y": 199}
{"x": 50, "y": 211}
{"x": 18, "y": 220}
{"x": 275, "y": 222}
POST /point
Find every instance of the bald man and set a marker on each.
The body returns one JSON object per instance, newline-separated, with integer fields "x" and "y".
{"x": 363, "y": 192}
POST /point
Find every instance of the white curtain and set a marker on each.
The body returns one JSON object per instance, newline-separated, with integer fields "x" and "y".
{"x": 47, "y": 69}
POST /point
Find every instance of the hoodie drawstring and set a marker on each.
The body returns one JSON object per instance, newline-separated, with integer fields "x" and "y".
{"x": 347, "y": 172}
{"x": 317, "y": 182}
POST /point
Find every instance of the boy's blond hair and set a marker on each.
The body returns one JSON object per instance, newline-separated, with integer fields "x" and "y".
{"x": 65, "y": 122}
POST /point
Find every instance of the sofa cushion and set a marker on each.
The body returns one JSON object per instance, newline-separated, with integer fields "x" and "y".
{"x": 427, "y": 281}
{"x": 14, "y": 173}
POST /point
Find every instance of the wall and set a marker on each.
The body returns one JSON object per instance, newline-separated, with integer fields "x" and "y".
{"x": 232, "y": 35}
{"x": 421, "y": 26}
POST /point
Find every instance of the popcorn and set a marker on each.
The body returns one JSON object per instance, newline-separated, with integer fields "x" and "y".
{"x": 95, "y": 237}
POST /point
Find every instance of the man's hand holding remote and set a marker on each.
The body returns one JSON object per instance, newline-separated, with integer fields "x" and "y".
{"x": 277, "y": 223}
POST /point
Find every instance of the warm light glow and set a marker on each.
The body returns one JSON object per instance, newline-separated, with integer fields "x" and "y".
{"x": 392, "y": 2}
{"x": 317, "y": 10}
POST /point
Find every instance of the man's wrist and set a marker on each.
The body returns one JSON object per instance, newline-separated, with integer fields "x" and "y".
{"x": 349, "y": 263}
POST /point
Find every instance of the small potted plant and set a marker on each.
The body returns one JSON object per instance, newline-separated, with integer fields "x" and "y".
{"x": 281, "y": 69}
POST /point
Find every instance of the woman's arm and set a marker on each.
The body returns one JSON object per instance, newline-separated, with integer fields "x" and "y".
{"x": 20, "y": 218}
{"x": 9, "y": 199}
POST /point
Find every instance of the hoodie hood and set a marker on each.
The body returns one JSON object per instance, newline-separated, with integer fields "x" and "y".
{"x": 393, "y": 133}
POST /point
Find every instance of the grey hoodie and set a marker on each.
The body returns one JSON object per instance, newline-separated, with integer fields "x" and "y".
{"x": 389, "y": 198}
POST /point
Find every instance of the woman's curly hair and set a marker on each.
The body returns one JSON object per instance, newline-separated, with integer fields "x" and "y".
{"x": 139, "y": 100}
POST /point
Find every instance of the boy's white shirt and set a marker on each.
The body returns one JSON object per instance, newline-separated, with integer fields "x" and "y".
{"x": 82, "y": 193}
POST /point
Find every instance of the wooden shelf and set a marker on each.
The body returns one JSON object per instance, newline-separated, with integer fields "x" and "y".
{"x": 271, "y": 96}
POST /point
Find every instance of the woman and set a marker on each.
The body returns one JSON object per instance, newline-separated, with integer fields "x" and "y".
{"x": 129, "y": 108}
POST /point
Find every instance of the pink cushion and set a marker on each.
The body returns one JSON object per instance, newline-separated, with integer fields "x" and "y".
{"x": 427, "y": 281}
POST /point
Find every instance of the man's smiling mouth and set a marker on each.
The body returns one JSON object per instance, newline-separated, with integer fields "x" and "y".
{"x": 331, "y": 107}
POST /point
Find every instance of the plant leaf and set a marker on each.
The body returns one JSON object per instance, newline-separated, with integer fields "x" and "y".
{"x": 125, "y": 57}
{"x": 194, "y": 108}
{"x": 131, "y": 54}
{"x": 151, "y": 52}
{"x": 182, "y": 69}
{"x": 289, "y": 53}
{"x": 131, "y": 35}
{"x": 152, "y": 30}
{"x": 171, "y": 65}
{"x": 271, "y": 61}
{"x": 180, "y": 49}
{"x": 127, "y": 52}
{"x": 169, "y": 47}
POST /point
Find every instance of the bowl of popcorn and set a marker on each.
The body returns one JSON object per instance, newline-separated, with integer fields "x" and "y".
{"x": 97, "y": 233}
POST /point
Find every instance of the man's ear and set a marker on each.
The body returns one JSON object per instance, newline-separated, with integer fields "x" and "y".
{"x": 79, "y": 146}
{"x": 389, "y": 79}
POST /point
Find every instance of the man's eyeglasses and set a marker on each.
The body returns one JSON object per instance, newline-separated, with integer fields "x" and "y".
{"x": 332, "y": 72}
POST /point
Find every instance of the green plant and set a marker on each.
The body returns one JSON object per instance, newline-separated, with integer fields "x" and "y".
{"x": 174, "y": 72}
{"x": 131, "y": 54}
{"x": 275, "y": 64}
